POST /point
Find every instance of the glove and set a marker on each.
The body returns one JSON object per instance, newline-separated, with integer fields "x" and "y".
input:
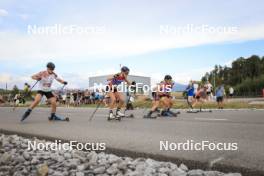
{"x": 65, "y": 82}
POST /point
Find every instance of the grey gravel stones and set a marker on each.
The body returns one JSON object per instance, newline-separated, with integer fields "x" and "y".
{"x": 17, "y": 160}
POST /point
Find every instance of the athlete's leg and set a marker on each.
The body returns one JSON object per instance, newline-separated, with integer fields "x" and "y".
{"x": 53, "y": 104}
{"x": 165, "y": 102}
{"x": 32, "y": 106}
{"x": 121, "y": 101}
{"x": 36, "y": 101}
{"x": 112, "y": 103}
{"x": 170, "y": 106}
{"x": 155, "y": 105}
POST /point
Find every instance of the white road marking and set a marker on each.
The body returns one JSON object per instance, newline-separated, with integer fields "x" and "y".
{"x": 210, "y": 119}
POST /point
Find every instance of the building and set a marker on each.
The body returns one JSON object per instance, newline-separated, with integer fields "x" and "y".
{"x": 143, "y": 80}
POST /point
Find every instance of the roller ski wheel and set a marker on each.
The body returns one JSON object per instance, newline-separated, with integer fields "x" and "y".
{"x": 130, "y": 116}
{"x": 172, "y": 114}
{"x": 192, "y": 111}
{"x": 205, "y": 110}
{"x": 119, "y": 118}
{"x": 116, "y": 118}
{"x": 150, "y": 117}
{"x": 57, "y": 118}
{"x": 67, "y": 119}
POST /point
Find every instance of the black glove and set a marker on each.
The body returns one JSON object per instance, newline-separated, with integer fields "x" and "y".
{"x": 65, "y": 82}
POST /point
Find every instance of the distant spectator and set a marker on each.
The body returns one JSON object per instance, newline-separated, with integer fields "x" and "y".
{"x": 195, "y": 86}
{"x": 87, "y": 97}
{"x": 26, "y": 87}
{"x": 75, "y": 96}
{"x": 231, "y": 92}
{"x": 64, "y": 97}
{"x": 209, "y": 89}
{"x": 71, "y": 99}
{"x": 220, "y": 93}
{"x": 1, "y": 99}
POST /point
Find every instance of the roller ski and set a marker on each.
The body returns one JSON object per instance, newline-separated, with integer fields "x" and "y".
{"x": 128, "y": 116}
{"x": 118, "y": 116}
{"x": 167, "y": 113}
{"x": 150, "y": 116}
{"x": 205, "y": 110}
{"x": 192, "y": 111}
{"x": 54, "y": 117}
{"x": 172, "y": 114}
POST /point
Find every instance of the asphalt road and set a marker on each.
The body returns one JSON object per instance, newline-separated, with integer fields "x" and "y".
{"x": 138, "y": 135}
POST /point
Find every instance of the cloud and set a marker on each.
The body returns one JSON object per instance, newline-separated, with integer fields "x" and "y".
{"x": 3, "y": 13}
{"x": 5, "y": 78}
{"x": 13, "y": 79}
{"x": 19, "y": 46}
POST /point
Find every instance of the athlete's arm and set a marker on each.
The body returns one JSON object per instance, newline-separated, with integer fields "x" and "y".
{"x": 128, "y": 82}
{"x": 60, "y": 80}
{"x": 110, "y": 78}
{"x": 37, "y": 76}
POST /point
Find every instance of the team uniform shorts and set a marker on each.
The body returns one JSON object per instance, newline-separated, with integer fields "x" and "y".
{"x": 46, "y": 94}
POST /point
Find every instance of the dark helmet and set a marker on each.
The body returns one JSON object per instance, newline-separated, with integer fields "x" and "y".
{"x": 168, "y": 77}
{"x": 51, "y": 66}
{"x": 125, "y": 69}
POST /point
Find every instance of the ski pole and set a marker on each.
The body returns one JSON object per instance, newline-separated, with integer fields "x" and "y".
{"x": 97, "y": 107}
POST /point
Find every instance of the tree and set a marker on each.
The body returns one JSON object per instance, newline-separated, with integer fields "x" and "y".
{"x": 246, "y": 74}
{"x": 15, "y": 90}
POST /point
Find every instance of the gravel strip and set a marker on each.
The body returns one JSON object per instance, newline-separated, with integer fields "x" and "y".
{"x": 16, "y": 160}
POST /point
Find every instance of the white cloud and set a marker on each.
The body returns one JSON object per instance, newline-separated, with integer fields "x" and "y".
{"x": 22, "y": 48}
{"x": 12, "y": 79}
{"x": 17, "y": 46}
{"x": 3, "y": 13}
{"x": 5, "y": 78}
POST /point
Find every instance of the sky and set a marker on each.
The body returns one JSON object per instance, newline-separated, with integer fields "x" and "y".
{"x": 152, "y": 37}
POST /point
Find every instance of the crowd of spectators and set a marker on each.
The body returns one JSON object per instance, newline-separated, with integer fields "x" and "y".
{"x": 80, "y": 97}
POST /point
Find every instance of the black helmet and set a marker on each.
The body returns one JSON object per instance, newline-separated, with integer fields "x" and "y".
{"x": 51, "y": 66}
{"x": 168, "y": 77}
{"x": 125, "y": 69}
